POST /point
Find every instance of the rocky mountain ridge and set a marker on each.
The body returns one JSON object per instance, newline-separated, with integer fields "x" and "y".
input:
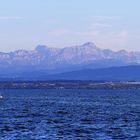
{"x": 87, "y": 55}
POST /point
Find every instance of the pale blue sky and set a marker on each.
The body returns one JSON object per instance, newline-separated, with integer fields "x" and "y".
{"x": 111, "y": 24}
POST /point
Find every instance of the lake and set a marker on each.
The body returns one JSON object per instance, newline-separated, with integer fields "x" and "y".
{"x": 40, "y": 114}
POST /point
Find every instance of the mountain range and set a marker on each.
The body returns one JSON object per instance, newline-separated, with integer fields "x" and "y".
{"x": 49, "y": 62}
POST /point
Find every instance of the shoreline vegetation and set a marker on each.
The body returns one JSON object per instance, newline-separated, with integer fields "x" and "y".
{"x": 69, "y": 84}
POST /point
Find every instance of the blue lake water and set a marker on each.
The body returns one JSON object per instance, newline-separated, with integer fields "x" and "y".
{"x": 39, "y": 114}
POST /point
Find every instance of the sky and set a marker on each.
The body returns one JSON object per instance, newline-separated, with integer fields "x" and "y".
{"x": 112, "y": 24}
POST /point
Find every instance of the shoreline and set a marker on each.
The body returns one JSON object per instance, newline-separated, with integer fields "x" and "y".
{"x": 69, "y": 85}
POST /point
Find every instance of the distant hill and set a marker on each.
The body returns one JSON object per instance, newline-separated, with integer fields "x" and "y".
{"x": 126, "y": 73}
{"x": 113, "y": 73}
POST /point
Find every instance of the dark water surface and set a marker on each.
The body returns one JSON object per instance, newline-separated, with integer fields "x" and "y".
{"x": 70, "y": 114}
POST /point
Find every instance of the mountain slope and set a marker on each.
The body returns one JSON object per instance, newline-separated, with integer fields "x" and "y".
{"x": 126, "y": 73}
{"x": 113, "y": 73}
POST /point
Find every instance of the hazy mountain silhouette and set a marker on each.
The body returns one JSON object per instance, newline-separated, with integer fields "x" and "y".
{"x": 84, "y": 58}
